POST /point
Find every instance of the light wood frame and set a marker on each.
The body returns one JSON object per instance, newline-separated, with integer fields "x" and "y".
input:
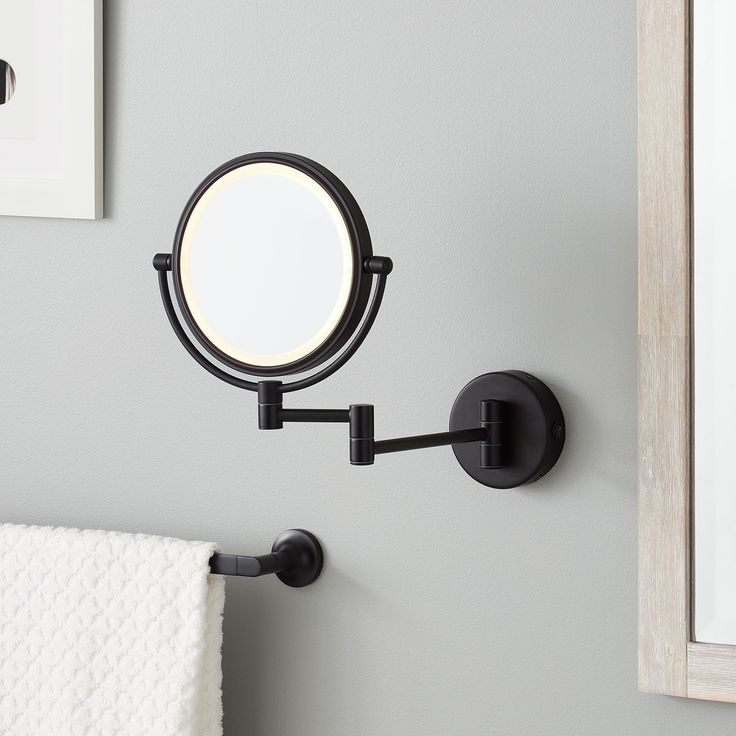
{"x": 669, "y": 661}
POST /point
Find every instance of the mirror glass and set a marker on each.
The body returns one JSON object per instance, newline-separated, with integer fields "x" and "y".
{"x": 714, "y": 363}
{"x": 266, "y": 264}
{"x": 7, "y": 82}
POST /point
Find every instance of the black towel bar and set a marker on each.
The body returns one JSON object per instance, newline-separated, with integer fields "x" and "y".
{"x": 295, "y": 559}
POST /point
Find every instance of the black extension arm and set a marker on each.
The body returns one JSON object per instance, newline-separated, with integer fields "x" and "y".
{"x": 363, "y": 445}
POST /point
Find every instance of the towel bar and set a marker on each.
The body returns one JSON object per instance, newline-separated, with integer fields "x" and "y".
{"x": 295, "y": 559}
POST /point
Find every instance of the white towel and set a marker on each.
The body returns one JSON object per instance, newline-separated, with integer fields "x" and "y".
{"x": 108, "y": 634}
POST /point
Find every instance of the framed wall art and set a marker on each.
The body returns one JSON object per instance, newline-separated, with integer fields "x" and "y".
{"x": 51, "y": 150}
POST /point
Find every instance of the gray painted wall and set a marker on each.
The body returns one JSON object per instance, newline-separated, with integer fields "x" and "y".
{"x": 491, "y": 146}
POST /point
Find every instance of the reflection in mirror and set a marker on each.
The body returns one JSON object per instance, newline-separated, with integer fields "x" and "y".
{"x": 7, "y": 82}
{"x": 714, "y": 237}
{"x": 266, "y": 264}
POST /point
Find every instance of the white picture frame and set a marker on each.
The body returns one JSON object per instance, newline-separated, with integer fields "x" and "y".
{"x": 51, "y": 130}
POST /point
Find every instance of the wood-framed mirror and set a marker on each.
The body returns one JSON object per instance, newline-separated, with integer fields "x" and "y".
{"x": 687, "y": 353}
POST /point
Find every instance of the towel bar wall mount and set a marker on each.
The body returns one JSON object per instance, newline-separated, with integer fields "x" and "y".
{"x": 296, "y": 559}
{"x": 274, "y": 274}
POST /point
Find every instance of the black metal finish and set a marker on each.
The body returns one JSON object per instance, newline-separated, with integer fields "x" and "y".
{"x": 270, "y": 405}
{"x": 362, "y": 254}
{"x": 162, "y": 261}
{"x": 506, "y": 428}
{"x": 439, "y": 439}
{"x": 492, "y": 415}
{"x": 379, "y": 265}
{"x": 249, "y": 567}
{"x": 529, "y": 431}
{"x": 362, "y": 442}
{"x": 315, "y": 415}
{"x": 296, "y": 559}
{"x": 272, "y": 415}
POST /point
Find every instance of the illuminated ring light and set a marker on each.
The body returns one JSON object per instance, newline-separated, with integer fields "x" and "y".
{"x": 315, "y": 185}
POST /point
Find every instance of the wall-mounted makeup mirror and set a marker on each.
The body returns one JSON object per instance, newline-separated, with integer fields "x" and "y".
{"x": 268, "y": 271}
{"x": 274, "y": 275}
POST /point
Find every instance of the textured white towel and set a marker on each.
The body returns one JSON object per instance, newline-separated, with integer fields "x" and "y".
{"x": 103, "y": 634}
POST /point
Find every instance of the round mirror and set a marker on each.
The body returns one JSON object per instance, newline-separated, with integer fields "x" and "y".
{"x": 268, "y": 264}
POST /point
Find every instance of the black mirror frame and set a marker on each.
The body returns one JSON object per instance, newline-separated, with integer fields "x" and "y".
{"x": 361, "y": 248}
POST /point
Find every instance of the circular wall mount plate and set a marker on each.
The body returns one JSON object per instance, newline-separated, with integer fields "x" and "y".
{"x": 534, "y": 428}
{"x": 308, "y": 557}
